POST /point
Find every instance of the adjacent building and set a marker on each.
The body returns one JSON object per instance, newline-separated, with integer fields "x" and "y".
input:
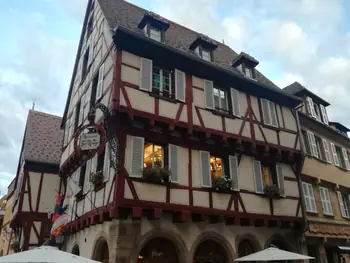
{"x": 208, "y": 153}
{"x": 325, "y": 179}
{"x": 36, "y": 183}
{"x": 7, "y": 235}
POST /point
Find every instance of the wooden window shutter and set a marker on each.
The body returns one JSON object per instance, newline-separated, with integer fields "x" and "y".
{"x": 101, "y": 76}
{"x": 324, "y": 114}
{"x": 326, "y": 151}
{"x": 310, "y": 107}
{"x": 106, "y": 164}
{"x": 280, "y": 180}
{"x": 342, "y": 206}
{"x": 205, "y": 169}
{"x": 272, "y": 109}
{"x": 209, "y": 95}
{"x": 346, "y": 159}
{"x": 265, "y": 111}
{"x": 180, "y": 85}
{"x": 137, "y": 148}
{"x": 234, "y": 172}
{"x": 306, "y": 197}
{"x": 66, "y": 131}
{"x": 146, "y": 74}
{"x": 312, "y": 198}
{"x": 335, "y": 155}
{"x": 91, "y": 53}
{"x": 81, "y": 110}
{"x": 235, "y": 102}
{"x": 88, "y": 171}
{"x": 326, "y": 202}
{"x": 174, "y": 163}
{"x": 312, "y": 142}
{"x": 258, "y": 179}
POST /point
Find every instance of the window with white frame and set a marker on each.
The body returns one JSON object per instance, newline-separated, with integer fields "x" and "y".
{"x": 317, "y": 111}
{"x": 340, "y": 156}
{"x": 145, "y": 154}
{"x": 309, "y": 198}
{"x": 326, "y": 201}
{"x": 269, "y": 112}
{"x": 316, "y": 146}
{"x": 248, "y": 72}
{"x": 153, "y": 33}
{"x": 203, "y": 53}
{"x": 161, "y": 80}
{"x": 220, "y": 99}
{"x": 343, "y": 204}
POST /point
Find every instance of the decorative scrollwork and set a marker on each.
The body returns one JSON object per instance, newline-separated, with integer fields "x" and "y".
{"x": 110, "y": 131}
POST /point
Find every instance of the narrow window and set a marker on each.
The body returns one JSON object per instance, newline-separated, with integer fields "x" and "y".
{"x": 82, "y": 176}
{"x": 216, "y": 167}
{"x": 101, "y": 160}
{"x": 326, "y": 201}
{"x": 220, "y": 99}
{"x": 89, "y": 27}
{"x": 162, "y": 82}
{"x": 269, "y": 112}
{"x": 248, "y": 72}
{"x": 155, "y": 34}
{"x": 77, "y": 113}
{"x": 206, "y": 55}
{"x": 153, "y": 155}
{"x": 310, "y": 202}
{"x": 84, "y": 69}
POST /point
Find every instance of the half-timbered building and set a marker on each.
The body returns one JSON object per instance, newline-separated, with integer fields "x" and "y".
{"x": 325, "y": 179}
{"x": 208, "y": 153}
{"x": 37, "y": 180}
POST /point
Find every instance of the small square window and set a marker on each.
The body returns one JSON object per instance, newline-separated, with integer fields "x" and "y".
{"x": 249, "y": 72}
{"x": 155, "y": 34}
{"x": 206, "y": 55}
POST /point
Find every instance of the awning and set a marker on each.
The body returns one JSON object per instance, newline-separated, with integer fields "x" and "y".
{"x": 344, "y": 249}
{"x": 273, "y": 254}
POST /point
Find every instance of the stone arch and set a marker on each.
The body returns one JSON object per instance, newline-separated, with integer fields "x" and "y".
{"x": 101, "y": 250}
{"x": 175, "y": 239}
{"x": 247, "y": 239}
{"x": 212, "y": 237}
{"x": 76, "y": 250}
{"x": 279, "y": 241}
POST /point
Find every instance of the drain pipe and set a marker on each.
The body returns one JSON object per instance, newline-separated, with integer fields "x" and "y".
{"x": 298, "y": 174}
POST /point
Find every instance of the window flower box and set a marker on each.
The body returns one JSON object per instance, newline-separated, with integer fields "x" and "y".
{"x": 272, "y": 191}
{"x": 222, "y": 184}
{"x": 97, "y": 177}
{"x": 156, "y": 174}
{"x": 16, "y": 247}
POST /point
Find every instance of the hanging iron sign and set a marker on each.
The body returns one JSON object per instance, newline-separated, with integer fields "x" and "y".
{"x": 89, "y": 141}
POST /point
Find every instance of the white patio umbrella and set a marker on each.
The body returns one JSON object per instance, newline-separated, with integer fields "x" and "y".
{"x": 45, "y": 254}
{"x": 273, "y": 254}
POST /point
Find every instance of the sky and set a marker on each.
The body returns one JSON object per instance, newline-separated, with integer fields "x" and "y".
{"x": 294, "y": 40}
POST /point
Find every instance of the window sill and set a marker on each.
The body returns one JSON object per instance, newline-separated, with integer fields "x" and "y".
{"x": 312, "y": 213}
{"x": 328, "y": 216}
{"x": 224, "y": 114}
{"x": 318, "y": 159}
{"x": 99, "y": 187}
{"x": 157, "y": 182}
{"x": 158, "y": 96}
{"x": 342, "y": 168}
{"x": 223, "y": 190}
{"x": 79, "y": 196}
{"x": 270, "y": 126}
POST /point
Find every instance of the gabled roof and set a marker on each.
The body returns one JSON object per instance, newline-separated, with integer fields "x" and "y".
{"x": 121, "y": 13}
{"x": 339, "y": 126}
{"x": 297, "y": 89}
{"x": 42, "y": 138}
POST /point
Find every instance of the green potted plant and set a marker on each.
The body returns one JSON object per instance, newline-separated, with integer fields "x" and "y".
{"x": 97, "y": 177}
{"x": 156, "y": 174}
{"x": 272, "y": 191}
{"x": 222, "y": 183}
{"x": 16, "y": 246}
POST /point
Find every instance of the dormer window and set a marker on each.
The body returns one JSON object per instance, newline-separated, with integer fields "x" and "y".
{"x": 317, "y": 111}
{"x": 245, "y": 64}
{"x": 153, "y": 26}
{"x": 203, "y": 53}
{"x": 203, "y": 46}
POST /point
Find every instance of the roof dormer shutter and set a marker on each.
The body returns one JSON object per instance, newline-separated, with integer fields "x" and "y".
{"x": 310, "y": 107}
{"x": 324, "y": 114}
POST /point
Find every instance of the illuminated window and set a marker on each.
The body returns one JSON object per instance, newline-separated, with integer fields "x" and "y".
{"x": 153, "y": 155}
{"x": 269, "y": 175}
{"x": 216, "y": 167}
